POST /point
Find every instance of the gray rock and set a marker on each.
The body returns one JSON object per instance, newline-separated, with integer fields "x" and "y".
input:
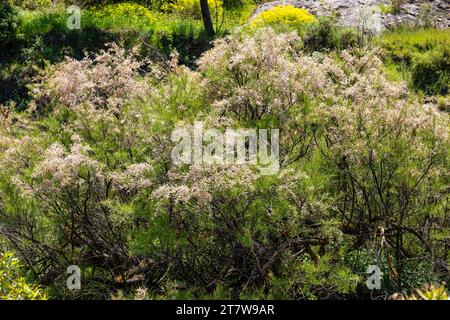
{"x": 367, "y": 12}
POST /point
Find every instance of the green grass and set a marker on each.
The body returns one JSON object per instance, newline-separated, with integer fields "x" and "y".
{"x": 34, "y": 23}
{"x": 235, "y": 17}
{"x": 421, "y": 57}
{"x": 402, "y": 44}
{"x": 386, "y": 9}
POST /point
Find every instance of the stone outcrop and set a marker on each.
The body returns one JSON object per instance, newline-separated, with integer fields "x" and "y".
{"x": 355, "y": 12}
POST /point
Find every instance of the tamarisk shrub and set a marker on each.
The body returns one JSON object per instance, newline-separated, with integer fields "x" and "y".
{"x": 263, "y": 80}
{"x": 383, "y": 155}
{"x": 66, "y": 190}
{"x": 80, "y": 166}
{"x": 88, "y": 179}
{"x": 106, "y": 81}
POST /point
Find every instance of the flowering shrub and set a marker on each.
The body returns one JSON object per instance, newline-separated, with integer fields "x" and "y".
{"x": 12, "y": 285}
{"x": 374, "y": 144}
{"x": 87, "y": 175}
{"x": 93, "y": 83}
{"x": 266, "y": 79}
{"x": 285, "y": 14}
{"x": 84, "y": 175}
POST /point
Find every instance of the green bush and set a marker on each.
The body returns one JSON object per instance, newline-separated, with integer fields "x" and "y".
{"x": 191, "y": 8}
{"x": 327, "y": 35}
{"x": 423, "y": 55}
{"x": 322, "y": 34}
{"x": 125, "y": 22}
{"x": 397, "y": 5}
{"x": 87, "y": 176}
{"x": 431, "y": 72}
{"x": 41, "y": 23}
{"x": 32, "y": 4}
{"x": 9, "y": 21}
{"x": 90, "y": 177}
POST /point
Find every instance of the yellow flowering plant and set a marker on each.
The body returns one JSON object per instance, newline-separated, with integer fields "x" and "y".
{"x": 432, "y": 292}
{"x": 12, "y": 285}
{"x": 285, "y": 15}
{"x": 428, "y": 292}
{"x": 131, "y": 10}
{"x": 191, "y": 8}
{"x": 124, "y": 14}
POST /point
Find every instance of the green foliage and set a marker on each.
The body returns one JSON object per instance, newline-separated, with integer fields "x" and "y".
{"x": 431, "y": 72}
{"x": 423, "y": 55}
{"x": 9, "y": 20}
{"x": 386, "y": 9}
{"x": 443, "y": 103}
{"x": 43, "y": 37}
{"x": 32, "y": 4}
{"x": 13, "y": 286}
{"x": 233, "y": 4}
{"x": 122, "y": 16}
{"x": 41, "y": 23}
{"x": 191, "y": 8}
{"x": 87, "y": 176}
{"x": 327, "y": 35}
{"x": 426, "y": 15}
{"x": 397, "y": 5}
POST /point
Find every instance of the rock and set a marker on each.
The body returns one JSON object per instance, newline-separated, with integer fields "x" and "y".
{"x": 352, "y": 12}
